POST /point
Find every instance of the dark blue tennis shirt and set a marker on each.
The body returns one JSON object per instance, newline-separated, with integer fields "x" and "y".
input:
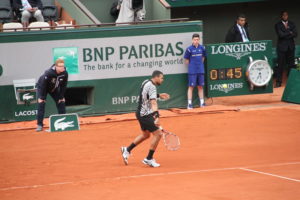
{"x": 195, "y": 55}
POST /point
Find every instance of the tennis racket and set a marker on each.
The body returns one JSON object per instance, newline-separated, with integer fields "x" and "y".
{"x": 171, "y": 140}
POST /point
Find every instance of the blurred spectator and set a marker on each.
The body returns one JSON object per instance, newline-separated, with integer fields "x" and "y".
{"x": 29, "y": 8}
{"x": 286, "y": 32}
{"x": 115, "y": 8}
{"x": 131, "y": 10}
{"x": 239, "y": 31}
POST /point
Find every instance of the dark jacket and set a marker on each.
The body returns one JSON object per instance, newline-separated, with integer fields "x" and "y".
{"x": 234, "y": 34}
{"x": 50, "y": 82}
{"x": 17, "y": 4}
{"x": 286, "y": 37}
{"x": 113, "y": 10}
{"x": 137, "y": 4}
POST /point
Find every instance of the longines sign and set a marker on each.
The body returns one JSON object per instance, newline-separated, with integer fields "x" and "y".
{"x": 238, "y": 50}
{"x": 227, "y": 65}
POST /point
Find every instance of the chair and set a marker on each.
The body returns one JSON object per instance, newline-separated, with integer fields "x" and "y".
{"x": 50, "y": 11}
{"x": 37, "y": 26}
{"x": 6, "y": 13}
{"x": 12, "y": 26}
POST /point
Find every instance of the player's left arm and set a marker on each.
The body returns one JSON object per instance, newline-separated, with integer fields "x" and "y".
{"x": 294, "y": 30}
{"x": 63, "y": 89}
{"x": 203, "y": 54}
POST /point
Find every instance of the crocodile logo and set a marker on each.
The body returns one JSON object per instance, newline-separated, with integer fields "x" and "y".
{"x": 27, "y": 97}
{"x": 59, "y": 124}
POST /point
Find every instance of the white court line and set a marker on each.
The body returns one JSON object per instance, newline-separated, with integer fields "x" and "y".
{"x": 146, "y": 175}
{"x": 269, "y": 174}
{"x": 204, "y": 170}
{"x": 36, "y": 186}
{"x": 174, "y": 173}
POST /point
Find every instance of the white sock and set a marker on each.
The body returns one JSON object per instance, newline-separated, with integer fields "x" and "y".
{"x": 189, "y": 101}
{"x": 201, "y": 101}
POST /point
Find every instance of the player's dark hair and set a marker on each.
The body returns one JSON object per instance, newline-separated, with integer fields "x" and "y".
{"x": 241, "y": 15}
{"x": 195, "y": 35}
{"x": 156, "y": 73}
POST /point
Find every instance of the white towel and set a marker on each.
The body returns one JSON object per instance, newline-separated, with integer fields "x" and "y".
{"x": 26, "y": 5}
{"x": 127, "y": 14}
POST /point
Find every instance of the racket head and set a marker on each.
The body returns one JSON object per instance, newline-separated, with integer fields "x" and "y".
{"x": 171, "y": 141}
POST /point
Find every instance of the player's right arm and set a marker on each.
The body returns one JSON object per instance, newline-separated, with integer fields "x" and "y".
{"x": 153, "y": 102}
{"x": 154, "y": 107}
{"x": 43, "y": 84}
{"x": 187, "y": 56}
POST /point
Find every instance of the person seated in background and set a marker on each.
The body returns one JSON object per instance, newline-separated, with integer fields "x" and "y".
{"x": 115, "y": 8}
{"x": 29, "y": 8}
{"x": 131, "y": 11}
{"x": 239, "y": 31}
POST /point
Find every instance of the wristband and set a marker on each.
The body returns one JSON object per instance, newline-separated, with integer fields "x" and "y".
{"x": 157, "y": 95}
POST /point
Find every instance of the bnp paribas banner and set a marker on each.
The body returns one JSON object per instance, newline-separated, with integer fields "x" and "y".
{"x": 106, "y": 66}
{"x": 239, "y": 68}
{"x": 97, "y": 58}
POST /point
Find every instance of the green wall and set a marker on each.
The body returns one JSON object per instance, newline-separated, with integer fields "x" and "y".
{"x": 100, "y": 9}
{"x": 160, "y": 12}
{"x": 261, "y": 18}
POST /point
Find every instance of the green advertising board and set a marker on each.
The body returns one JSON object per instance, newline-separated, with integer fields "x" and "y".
{"x": 292, "y": 89}
{"x": 64, "y": 122}
{"x": 239, "y": 68}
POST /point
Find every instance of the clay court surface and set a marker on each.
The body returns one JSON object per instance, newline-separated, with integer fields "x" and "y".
{"x": 228, "y": 154}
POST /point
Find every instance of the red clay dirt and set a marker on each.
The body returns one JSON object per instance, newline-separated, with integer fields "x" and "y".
{"x": 251, "y": 154}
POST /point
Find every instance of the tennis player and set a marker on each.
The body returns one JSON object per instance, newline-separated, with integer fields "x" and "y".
{"x": 194, "y": 57}
{"x": 148, "y": 117}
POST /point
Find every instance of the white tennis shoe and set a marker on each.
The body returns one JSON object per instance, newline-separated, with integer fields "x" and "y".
{"x": 151, "y": 163}
{"x": 125, "y": 155}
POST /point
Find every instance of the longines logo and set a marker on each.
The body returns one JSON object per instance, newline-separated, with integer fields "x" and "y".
{"x": 226, "y": 87}
{"x": 238, "y": 50}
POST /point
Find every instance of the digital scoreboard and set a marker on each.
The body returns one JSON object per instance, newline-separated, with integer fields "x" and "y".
{"x": 225, "y": 73}
{"x": 229, "y": 66}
